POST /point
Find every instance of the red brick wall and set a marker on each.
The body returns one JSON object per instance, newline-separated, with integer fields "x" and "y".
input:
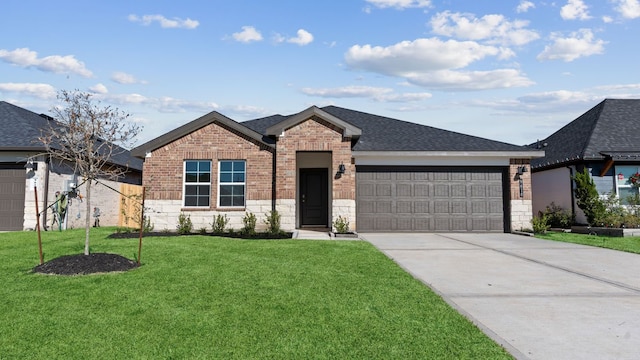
{"x": 163, "y": 171}
{"x": 314, "y": 134}
{"x": 526, "y": 179}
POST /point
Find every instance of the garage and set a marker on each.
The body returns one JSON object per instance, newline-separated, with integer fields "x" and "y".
{"x": 12, "y": 187}
{"x": 431, "y": 199}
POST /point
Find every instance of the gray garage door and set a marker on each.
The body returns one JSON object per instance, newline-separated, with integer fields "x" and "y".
{"x": 427, "y": 199}
{"x": 12, "y": 185}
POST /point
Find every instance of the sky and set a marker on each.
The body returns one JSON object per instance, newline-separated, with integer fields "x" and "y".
{"x": 509, "y": 70}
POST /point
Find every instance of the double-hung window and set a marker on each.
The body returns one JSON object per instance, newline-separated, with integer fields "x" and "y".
{"x": 231, "y": 183}
{"x": 624, "y": 188}
{"x": 197, "y": 183}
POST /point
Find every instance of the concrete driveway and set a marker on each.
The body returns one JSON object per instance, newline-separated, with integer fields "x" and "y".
{"x": 539, "y": 299}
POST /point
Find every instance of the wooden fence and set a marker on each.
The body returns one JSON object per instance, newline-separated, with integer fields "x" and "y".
{"x": 130, "y": 206}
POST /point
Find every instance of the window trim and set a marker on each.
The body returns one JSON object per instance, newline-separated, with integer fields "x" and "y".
{"x": 244, "y": 184}
{"x": 624, "y": 183}
{"x": 185, "y": 183}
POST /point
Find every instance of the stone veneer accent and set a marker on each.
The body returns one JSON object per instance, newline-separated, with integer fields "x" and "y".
{"x": 347, "y": 209}
{"x": 521, "y": 207}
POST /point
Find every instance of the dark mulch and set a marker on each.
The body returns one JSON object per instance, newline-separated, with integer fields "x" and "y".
{"x": 81, "y": 264}
{"x": 237, "y": 235}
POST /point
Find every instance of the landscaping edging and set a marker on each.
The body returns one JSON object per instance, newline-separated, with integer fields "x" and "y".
{"x": 350, "y": 235}
{"x": 616, "y": 232}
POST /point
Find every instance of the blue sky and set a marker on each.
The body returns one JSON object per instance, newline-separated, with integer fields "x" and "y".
{"x": 513, "y": 71}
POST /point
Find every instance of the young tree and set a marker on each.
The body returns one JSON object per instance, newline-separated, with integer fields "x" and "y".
{"x": 88, "y": 137}
{"x": 587, "y": 197}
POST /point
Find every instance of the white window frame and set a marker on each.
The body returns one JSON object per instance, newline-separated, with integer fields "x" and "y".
{"x": 232, "y": 183}
{"x": 197, "y": 183}
{"x": 626, "y": 171}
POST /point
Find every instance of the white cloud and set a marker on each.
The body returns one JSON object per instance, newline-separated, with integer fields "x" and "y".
{"x": 471, "y": 80}
{"x": 375, "y": 93}
{"x": 303, "y": 38}
{"x": 524, "y": 6}
{"x": 26, "y": 58}
{"x": 430, "y": 63}
{"x": 421, "y": 55}
{"x": 247, "y": 35}
{"x": 579, "y": 44}
{"x": 41, "y": 91}
{"x": 629, "y": 9}
{"x": 575, "y": 9}
{"x": 124, "y": 78}
{"x": 607, "y": 19}
{"x": 99, "y": 89}
{"x": 491, "y": 28}
{"x": 400, "y": 4}
{"x": 165, "y": 23}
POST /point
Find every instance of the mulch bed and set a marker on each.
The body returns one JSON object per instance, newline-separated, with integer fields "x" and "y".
{"x": 237, "y": 235}
{"x": 81, "y": 264}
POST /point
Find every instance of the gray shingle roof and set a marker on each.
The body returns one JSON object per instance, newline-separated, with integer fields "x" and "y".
{"x": 381, "y": 133}
{"x": 606, "y": 130}
{"x": 21, "y": 129}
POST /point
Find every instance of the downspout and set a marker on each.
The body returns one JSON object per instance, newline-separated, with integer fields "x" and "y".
{"x": 45, "y": 198}
{"x": 273, "y": 178}
{"x": 573, "y": 198}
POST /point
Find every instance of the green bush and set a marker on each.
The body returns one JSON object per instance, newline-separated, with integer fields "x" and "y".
{"x": 147, "y": 225}
{"x": 540, "y": 224}
{"x": 249, "y": 221}
{"x": 558, "y": 217}
{"x": 184, "y": 224}
{"x": 341, "y": 225}
{"x": 588, "y": 198}
{"x": 219, "y": 223}
{"x": 273, "y": 222}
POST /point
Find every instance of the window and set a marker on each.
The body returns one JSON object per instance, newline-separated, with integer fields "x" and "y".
{"x": 624, "y": 189}
{"x": 231, "y": 183}
{"x": 197, "y": 183}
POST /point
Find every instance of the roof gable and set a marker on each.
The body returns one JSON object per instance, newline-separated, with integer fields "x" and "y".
{"x": 606, "y": 130}
{"x": 186, "y": 129}
{"x": 348, "y": 130}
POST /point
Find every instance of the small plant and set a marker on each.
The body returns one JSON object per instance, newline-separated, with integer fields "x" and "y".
{"x": 341, "y": 225}
{"x": 249, "y": 221}
{"x": 558, "y": 217}
{"x": 147, "y": 225}
{"x": 184, "y": 224}
{"x": 219, "y": 223}
{"x": 588, "y": 198}
{"x": 273, "y": 222}
{"x": 539, "y": 223}
{"x": 202, "y": 230}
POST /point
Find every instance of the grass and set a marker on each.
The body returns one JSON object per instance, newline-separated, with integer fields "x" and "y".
{"x": 629, "y": 244}
{"x": 203, "y": 297}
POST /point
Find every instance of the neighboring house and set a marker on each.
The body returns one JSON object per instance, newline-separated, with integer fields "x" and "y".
{"x": 380, "y": 173}
{"x": 603, "y": 140}
{"x": 18, "y": 145}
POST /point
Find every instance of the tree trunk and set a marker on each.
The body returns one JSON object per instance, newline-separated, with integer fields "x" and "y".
{"x": 87, "y": 224}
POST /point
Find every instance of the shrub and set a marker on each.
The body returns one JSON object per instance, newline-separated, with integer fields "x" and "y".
{"x": 147, "y": 225}
{"x": 219, "y": 223}
{"x": 249, "y": 221}
{"x": 184, "y": 224}
{"x": 588, "y": 198}
{"x": 539, "y": 223}
{"x": 558, "y": 217}
{"x": 273, "y": 222}
{"x": 341, "y": 225}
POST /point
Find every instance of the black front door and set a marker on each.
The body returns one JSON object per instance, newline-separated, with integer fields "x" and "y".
{"x": 314, "y": 199}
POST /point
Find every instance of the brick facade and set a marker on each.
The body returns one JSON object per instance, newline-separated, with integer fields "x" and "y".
{"x": 163, "y": 170}
{"x": 314, "y": 135}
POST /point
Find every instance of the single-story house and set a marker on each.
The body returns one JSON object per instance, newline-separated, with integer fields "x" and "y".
{"x": 381, "y": 174}
{"x": 19, "y": 145}
{"x": 604, "y": 141}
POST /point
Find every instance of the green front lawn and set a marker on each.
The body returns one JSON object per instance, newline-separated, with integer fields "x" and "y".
{"x": 629, "y": 244}
{"x": 202, "y": 297}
